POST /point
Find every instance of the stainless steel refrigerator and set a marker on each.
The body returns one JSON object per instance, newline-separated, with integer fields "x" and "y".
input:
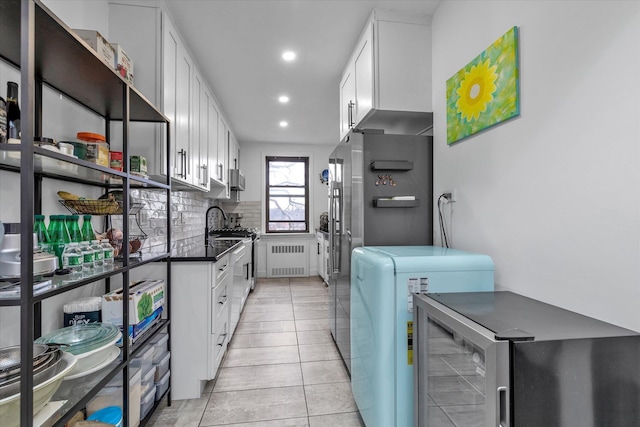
{"x": 380, "y": 194}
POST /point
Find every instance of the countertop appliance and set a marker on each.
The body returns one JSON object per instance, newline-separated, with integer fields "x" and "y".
{"x": 383, "y": 281}
{"x": 502, "y": 359}
{"x": 43, "y": 263}
{"x": 370, "y": 173}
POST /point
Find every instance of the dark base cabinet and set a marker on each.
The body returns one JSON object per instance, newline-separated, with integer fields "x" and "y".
{"x": 502, "y": 359}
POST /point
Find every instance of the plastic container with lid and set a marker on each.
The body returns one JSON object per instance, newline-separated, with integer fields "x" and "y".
{"x": 97, "y": 149}
{"x": 111, "y": 395}
{"x": 162, "y": 366}
{"x": 161, "y": 346}
{"x": 145, "y": 358}
{"x": 162, "y": 386}
{"x": 146, "y": 402}
{"x": 148, "y": 380}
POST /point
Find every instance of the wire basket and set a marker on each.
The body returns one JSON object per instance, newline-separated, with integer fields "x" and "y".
{"x": 99, "y": 207}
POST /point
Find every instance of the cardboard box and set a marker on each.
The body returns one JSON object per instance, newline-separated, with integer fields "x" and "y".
{"x": 123, "y": 63}
{"x": 138, "y": 164}
{"x": 103, "y": 48}
{"x": 145, "y": 298}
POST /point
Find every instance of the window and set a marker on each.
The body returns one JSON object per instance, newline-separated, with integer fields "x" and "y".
{"x": 287, "y": 194}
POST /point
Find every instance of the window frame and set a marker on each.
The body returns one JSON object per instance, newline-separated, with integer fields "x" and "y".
{"x": 298, "y": 159}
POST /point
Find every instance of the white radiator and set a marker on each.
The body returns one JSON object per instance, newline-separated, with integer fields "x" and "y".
{"x": 287, "y": 259}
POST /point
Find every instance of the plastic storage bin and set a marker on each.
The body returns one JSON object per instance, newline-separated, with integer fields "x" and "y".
{"x": 111, "y": 395}
{"x": 163, "y": 385}
{"x": 148, "y": 380}
{"x": 146, "y": 403}
{"x": 145, "y": 358}
{"x": 162, "y": 366}
{"x": 161, "y": 345}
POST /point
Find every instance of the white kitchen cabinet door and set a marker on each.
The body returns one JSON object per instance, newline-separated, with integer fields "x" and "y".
{"x": 199, "y": 122}
{"x": 347, "y": 100}
{"x": 389, "y": 70}
{"x": 215, "y": 170}
{"x": 205, "y": 100}
{"x": 191, "y": 335}
{"x": 363, "y": 71}
{"x": 320, "y": 254}
{"x": 223, "y": 157}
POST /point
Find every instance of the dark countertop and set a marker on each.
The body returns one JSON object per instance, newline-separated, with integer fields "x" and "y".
{"x": 193, "y": 249}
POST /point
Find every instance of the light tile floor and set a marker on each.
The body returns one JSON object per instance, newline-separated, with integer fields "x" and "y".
{"x": 282, "y": 368}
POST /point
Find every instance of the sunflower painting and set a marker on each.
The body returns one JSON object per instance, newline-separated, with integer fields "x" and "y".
{"x": 486, "y": 91}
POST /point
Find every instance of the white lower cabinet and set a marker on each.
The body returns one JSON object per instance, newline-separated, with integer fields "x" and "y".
{"x": 201, "y": 327}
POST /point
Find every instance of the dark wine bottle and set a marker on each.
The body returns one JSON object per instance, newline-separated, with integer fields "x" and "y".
{"x": 13, "y": 111}
{"x": 3, "y": 120}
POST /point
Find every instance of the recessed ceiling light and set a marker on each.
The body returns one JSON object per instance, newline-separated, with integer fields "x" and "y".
{"x": 283, "y": 124}
{"x": 284, "y": 99}
{"x": 289, "y": 55}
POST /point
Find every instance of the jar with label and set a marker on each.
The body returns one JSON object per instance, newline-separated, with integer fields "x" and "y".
{"x": 115, "y": 160}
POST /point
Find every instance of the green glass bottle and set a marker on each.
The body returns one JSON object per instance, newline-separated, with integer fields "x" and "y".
{"x": 87, "y": 229}
{"x": 57, "y": 233}
{"x": 41, "y": 232}
{"x": 75, "y": 234}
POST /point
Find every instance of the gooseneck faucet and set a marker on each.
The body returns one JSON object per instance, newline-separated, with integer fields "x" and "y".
{"x": 206, "y": 222}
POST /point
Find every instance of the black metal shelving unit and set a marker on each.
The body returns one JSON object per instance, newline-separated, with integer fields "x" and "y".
{"x": 48, "y": 53}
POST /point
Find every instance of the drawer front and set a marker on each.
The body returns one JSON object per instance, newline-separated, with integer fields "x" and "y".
{"x": 221, "y": 336}
{"x": 221, "y": 269}
{"x": 220, "y": 302}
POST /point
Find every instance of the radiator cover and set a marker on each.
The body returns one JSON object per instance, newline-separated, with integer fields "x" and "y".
{"x": 287, "y": 259}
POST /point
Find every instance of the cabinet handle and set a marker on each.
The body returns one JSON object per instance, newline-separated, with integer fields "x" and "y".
{"x": 221, "y": 342}
{"x": 222, "y": 300}
{"x": 350, "y": 114}
{"x": 181, "y": 173}
{"x": 318, "y": 248}
{"x": 205, "y": 174}
{"x": 220, "y": 171}
{"x": 223, "y": 268}
{"x": 503, "y": 407}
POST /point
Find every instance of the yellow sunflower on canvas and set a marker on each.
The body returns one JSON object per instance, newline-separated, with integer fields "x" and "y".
{"x": 486, "y": 91}
{"x": 476, "y": 90}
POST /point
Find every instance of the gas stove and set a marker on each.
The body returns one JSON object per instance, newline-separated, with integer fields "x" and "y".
{"x": 234, "y": 232}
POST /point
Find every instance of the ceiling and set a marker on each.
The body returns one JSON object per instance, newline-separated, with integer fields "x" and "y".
{"x": 237, "y": 46}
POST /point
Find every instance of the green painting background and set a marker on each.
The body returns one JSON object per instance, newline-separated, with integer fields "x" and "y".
{"x": 506, "y": 99}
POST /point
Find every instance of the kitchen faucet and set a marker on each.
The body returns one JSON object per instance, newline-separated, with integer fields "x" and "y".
{"x": 206, "y": 231}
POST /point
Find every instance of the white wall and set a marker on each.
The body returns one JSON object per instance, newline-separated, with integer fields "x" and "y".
{"x": 554, "y": 195}
{"x": 82, "y": 14}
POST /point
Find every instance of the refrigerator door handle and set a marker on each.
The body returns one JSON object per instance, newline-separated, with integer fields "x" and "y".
{"x": 503, "y": 406}
{"x": 349, "y": 235}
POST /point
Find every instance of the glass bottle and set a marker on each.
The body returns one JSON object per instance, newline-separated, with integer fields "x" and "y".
{"x": 75, "y": 234}
{"x": 87, "y": 229}
{"x": 41, "y": 232}
{"x": 107, "y": 255}
{"x": 57, "y": 233}
{"x": 88, "y": 258}
{"x": 13, "y": 111}
{"x": 98, "y": 254}
{"x": 72, "y": 260}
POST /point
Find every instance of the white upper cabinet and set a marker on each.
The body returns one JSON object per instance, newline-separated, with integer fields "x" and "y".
{"x": 168, "y": 76}
{"x": 389, "y": 75}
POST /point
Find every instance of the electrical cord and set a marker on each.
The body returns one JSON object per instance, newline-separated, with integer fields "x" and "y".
{"x": 442, "y": 199}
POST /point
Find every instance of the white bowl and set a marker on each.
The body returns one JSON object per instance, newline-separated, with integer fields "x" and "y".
{"x": 10, "y": 406}
{"x": 92, "y": 358}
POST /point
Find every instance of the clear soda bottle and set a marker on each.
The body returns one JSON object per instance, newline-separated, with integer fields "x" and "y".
{"x": 72, "y": 260}
{"x": 98, "y": 253}
{"x": 107, "y": 255}
{"x": 88, "y": 257}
